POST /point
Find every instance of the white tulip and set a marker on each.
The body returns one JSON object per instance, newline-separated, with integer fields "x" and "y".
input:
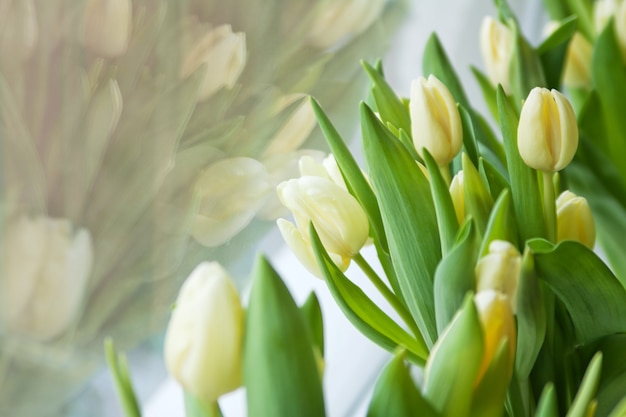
{"x": 47, "y": 264}
{"x": 203, "y": 343}
{"x": 499, "y": 270}
{"x": 19, "y": 30}
{"x": 496, "y": 45}
{"x": 295, "y": 131}
{"x": 224, "y": 54}
{"x": 108, "y": 26}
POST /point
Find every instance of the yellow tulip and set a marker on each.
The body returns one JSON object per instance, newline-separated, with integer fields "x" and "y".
{"x": 203, "y": 343}
{"x": 496, "y": 45}
{"x": 435, "y": 120}
{"x": 547, "y": 135}
{"x": 499, "y": 270}
{"x": 574, "y": 219}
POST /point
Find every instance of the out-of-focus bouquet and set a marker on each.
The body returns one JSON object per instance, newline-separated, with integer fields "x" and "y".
{"x": 496, "y": 303}
{"x": 139, "y": 137}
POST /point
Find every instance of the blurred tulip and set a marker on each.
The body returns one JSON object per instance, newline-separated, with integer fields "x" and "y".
{"x": 203, "y": 343}
{"x": 340, "y": 18}
{"x": 603, "y": 10}
{"x": 230, "y": 193}
{"x": 458, "y": 196}
{"x": 499, "y": 270}
{"x": 577, "y": 71}
{"x": 620, "y": 27}
{"x": 547, "y": 135}
{"x": 18, "y": 30}
{"x": 224, "y": 54}
{"x": 574, "y": 219}
{"x": 295, "y": 131}
{"x": 107, "y": 26}
{"x": 498, "y": 324}
{"x": 435, "y": 120}
{"x": 47, "y": 265}
{"x": 496, "y": 45}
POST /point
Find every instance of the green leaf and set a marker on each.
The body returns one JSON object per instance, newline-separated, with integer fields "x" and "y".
{"x": 587, "y": 389}
{"x": 619, "y": 410}
{"x": 488, "y": 90}
{"x": 280, "y": 371}
{"x": 446, "y": 216}
{"x": 362, "y": 312}
{"x": 395, "y": 393}
{"x": 312, "y": 313}
{"x": 526, "y": 70}
{"x": 531, "y": 318}
{"x": 409, "y": 219}
{"x": 123, "y": 385}
{"x": 562, "y": 35}
{"x": 478, "y": 200}
{"x": 496, "y": 180}
{"x": 524, "y": 184}
{"x": 501, "y": 224}
{"x": 593, "y": 296}
{"x": 547, "y": 406}
{"x": 454, "y": 363}
{"x": 553, "y": 50}
{"x": 436, "y": 62}
{"x": 609, "y": 80}
{"x": 469, "y": 135}
{"x": 388, "y": 104}
{"x": 455, "y": 276}
{"x": 352, "y": 174}
{"x": 582, "y": 9}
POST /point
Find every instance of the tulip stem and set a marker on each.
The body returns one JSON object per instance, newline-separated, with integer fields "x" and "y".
{"x": 445, "y": 173}
{"x": 391, "y": 298}
{"x": 549, "y": 205}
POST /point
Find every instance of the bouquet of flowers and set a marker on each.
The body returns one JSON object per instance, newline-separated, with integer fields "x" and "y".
{"x": 484, "y": 238}
{"x": 138, "y": 137}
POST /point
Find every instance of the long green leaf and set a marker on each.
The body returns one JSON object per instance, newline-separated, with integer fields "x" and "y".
{"x": 408, "y": 216}
{"x": 280, "y": 371}
{"x": 436, "y": 62}
{"x": 547, "y": 406}
{"x": 501, "y": 225}
{"x": 593, "y": 296}
{"x": 587, "y": 389}
{"x": 362, "y": 312}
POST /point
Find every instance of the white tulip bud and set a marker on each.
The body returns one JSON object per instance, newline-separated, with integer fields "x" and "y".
{"x": 203, "y": 343}
{"x": 224, "y": 54}
{"x": 19, "y": 30}
{"x": 496, "y": 45}
{"x": 499, "y": 270}
{"x": 230, "y": 192}
{"x": 547, "y": 134}
{"x": 46, "y": 268}
{"x": 574, "y": 219}
{"x": 108, "y": 26}
{"x": 294, "y": 132}
{"x": 458, "y": 196}
{"x": 341, "y": 18}
{"x": 435, "y": 120}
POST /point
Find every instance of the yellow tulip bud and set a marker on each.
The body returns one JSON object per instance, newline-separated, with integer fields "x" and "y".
{"x": 46, "y": 267}
{"x": 498, "y": 324}
{"x": 341, "y": 18}
{"x": 458, "y": 196}
{"x": 547, "y": 135}
{"x": 224, "y": 54}
{"x": 496, "y": 45}
{"x": 499, "y": 270}
{"x": 435, "y": 120}
{"x": 574, "y": 219}
{"x": 203, "y": 343}
{"x": 107, "y": 26}
{"x": 577, "y": 71}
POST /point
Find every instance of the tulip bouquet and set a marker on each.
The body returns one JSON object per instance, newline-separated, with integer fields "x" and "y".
{"x": 139, "y": 136}
{"x": 495, "y": 301}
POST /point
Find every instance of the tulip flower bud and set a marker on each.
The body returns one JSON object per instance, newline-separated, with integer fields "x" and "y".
{"x": 496, "y": 45}
{"x": 620, "y": 27}
{"x": 435, "y": 120}
{"x": 107, "y": 26}
{"x": 577, "y": 71}
{"x": 498, "y": 324}
{"x": 203, "y": 343}
{"x": 46, "y": 268}
{"x": 224, "y": 54}
{"x": 458, "y": 196}
{"x": 230, "y": 191}
{"x": 499, "y": 270}
{"x": 341, "y": 18}
{"x": 547, "y": 135}
{"x": 296, "y": 129}
{"x": 603, "y": 10}
{"x": 339, "y": 219}
{"x": 574, "y": 219}
{"x": 18, "y": 30}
